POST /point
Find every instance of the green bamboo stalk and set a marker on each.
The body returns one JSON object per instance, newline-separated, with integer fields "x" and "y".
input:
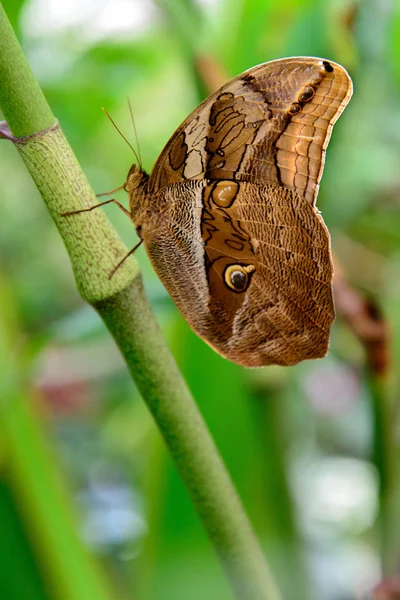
{"x": 33, "y": 111}
{"x": 95, "y": 249}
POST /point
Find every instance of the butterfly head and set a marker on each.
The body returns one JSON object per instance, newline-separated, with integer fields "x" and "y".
{"x": 135, "y": 179}
{"x": 137, "y": 187}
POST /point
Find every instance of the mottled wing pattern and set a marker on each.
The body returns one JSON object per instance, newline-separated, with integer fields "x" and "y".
{"x": 270, "y": 125}
{"x": 283, "y": 302}
{"x": 254, "y": 279}
{"x": 241, "y": 247}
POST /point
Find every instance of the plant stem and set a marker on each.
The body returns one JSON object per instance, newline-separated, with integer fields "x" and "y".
{"x": 191, "y": 446}
{"x": 31, "y": 475}
{"x": 384, "y": 457}
{"x": 270, "y": 421}
{"x": 27, "y": 113}
{"x": 94, "y": 249}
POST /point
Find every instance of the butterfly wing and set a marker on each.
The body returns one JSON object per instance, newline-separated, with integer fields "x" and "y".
{"x": 271, "y": 124}
{"x": 239, "y": 243}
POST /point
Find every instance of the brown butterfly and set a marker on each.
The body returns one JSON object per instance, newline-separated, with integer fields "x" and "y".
{"x": 228, "y": 214}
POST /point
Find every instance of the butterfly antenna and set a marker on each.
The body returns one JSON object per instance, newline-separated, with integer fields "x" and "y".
{"x": 123, "y": 137}
{"x": 136, "y": 135}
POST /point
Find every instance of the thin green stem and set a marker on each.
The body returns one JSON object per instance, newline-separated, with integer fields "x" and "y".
{"x": 280, "y": 519}
{"x": 31, "y": 474}
{"x": 385, "y": 457}
{"x": 94, "y": 249}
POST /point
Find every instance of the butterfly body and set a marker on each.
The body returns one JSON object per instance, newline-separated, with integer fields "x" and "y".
{"x": 228, "y": 213}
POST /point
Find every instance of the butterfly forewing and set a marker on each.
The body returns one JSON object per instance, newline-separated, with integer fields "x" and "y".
{"x": 269, "y": 125}
{"x": 238, "y": 242}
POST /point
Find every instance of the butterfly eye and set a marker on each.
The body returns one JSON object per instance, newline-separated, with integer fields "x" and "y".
{"x": 237, "y": 277}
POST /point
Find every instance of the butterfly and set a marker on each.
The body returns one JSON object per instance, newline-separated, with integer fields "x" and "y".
{"x": 228, "y": 215}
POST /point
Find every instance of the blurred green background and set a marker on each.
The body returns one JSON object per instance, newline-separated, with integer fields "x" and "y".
{"x": 91, "y": 506}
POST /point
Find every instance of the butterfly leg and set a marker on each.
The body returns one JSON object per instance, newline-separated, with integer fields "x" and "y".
{"x": 120, "y": 187}
{"x": 124, "y": 259}
{"x": 75, "y": 212}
